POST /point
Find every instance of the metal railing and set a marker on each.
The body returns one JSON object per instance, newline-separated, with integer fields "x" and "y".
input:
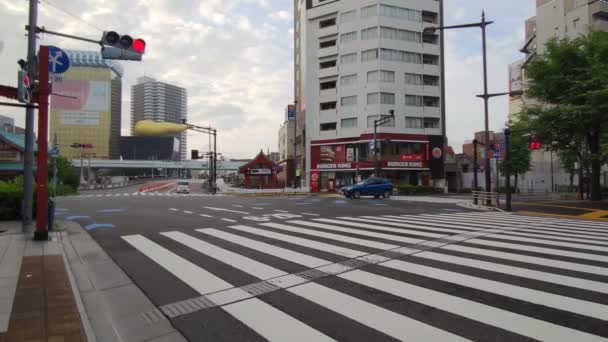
{"x": 489, "y": 199}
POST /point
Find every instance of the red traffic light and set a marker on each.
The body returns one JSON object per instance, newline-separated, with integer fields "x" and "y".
{"x": 139, "y": 45}
{"x": 535, "y": 145}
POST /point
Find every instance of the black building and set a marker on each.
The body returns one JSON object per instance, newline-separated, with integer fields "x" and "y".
{"x": 149, "y": 148}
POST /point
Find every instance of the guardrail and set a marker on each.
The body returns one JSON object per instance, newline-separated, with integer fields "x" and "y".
{"x": 488, "y": 199}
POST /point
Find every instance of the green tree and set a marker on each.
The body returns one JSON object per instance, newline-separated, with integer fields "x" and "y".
{"x": 519, "y": 149}
{"x": 571, "y": 82}
{"x": 68, "y": 177}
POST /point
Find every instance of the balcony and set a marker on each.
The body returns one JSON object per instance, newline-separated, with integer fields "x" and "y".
{"x": 431, "y": 90}
{"x": 329, "y": 94}
{"x": 432, "y": 111}
{"x": 328, "y": 72}
{"x": 328, "y": 51}
{"x": 328, "y": 115}
{"x": 327, "y": 31}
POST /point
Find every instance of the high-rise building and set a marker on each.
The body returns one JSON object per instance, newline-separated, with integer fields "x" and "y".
{"x": 355, "y": 61}
{"x": 86, "y": 106}
{"x": 159, "y": 101}
{"x": 553, "y": 19}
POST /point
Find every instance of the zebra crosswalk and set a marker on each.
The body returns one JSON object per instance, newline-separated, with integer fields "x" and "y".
{"x": 439, "y": 277}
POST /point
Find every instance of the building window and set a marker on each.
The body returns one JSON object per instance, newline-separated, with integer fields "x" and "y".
{"x": 327, "y": 23}
{"x": 397, "y": 34}
{"x": 400, "y": 13}
{"x": 369, "y": 11}
{"x": 431, "y": 123}
{"x": 413, "y": 100}
{"x": 348, "y": 80}
{"x": 380, "y": 98}
{"x": 431, "y": 101}
{"x": 327, "y": 64}
{"x": 400, "y": 56}
{"x": 413, "y": 79}
{"x": 369, "y": 33}
{"x": 349, "y": 16}
{"x": 430, "y": 59}
{"x": 328, "y": 85}
{"x": 348, "y": 123}
{"x": 330, "y": 126}
{"x": 349, "y": 58}
{"x": 383, "y": 76}
{"x": 430, "y": 39}
{"x": 372, "y": 118}
{"x": 348, "y": 37}
{"x": 413, "y": 122}
{"x": 348, "y": 101}
{"x": 429, "y": 80}
{"x": 369, "y": 55}
{"x": 327, "y": 43}
{"x": 328, "y": 105}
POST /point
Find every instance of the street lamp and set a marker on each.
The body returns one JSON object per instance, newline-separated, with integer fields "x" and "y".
{"x": 379, "y": 122}
{"x": 483, "y": 24}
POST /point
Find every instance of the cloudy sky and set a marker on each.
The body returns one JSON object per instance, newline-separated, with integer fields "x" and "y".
{"x": 235, "y": 58}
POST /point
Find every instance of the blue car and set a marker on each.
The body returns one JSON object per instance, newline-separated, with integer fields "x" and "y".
{"x": 370, "y": 187}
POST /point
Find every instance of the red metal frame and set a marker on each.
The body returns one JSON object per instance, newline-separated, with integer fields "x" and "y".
{"x": 42, "y": 157}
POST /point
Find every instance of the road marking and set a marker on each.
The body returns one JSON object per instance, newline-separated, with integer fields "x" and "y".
{"x": 347, "y": 252}
{"x": 385, "y": 229}
{"x": 390, "y": 323}
{"x": 205, "y": 215}
{"x": 559, "y": 302}
{"x": 227, "y": 210}
{"x": 300, "y": 258}
{"x": 229, "y": 220}
{"x": 238, "y": 261}
{"x": 187, "y": 212}
{"x": 281, "y": 211}
{"x": 337, "y": 237}
{"x": 470, "y": 309}
{"x": 518, "y": 271}
{"x": 309, "y": 214}
{"x": 94, "y": 226}
{"x": 362, "y": 232}
{"x": 197, "y": 278}
{"x": 549, "y": 242}
{"x": 589, "y": 226}
{"x": 376, "y": 317}
{"x": 111, "y": 210}
{"x": 530, "y": 259}
{"x": 519, "y": 324}
{"x": 173, "y": 209}
{"x": 281, "y": 327}
{"x": 398, "y": 222}
{"x": 272, "y": 324}
{"x": 237, "y": 205}
{"x": 73, "y": 218}
{"x": 257, "y": 208}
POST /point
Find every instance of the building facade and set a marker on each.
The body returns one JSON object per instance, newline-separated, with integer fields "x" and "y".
{"x": 86, "y": 106}
{"x": 355, "y": 61}
{"x": 159, "y": 101}
{"x": 553, "y": 19}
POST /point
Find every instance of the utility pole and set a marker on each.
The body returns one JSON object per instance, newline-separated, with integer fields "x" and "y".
{"x": 28, "y": 158}
{"x": 508, "y": 167}
{"x": 295, "y": 145}
{"x": 475, "y": 180}
{"x": 486, "y": 101}
{"x": 214, "y": 162}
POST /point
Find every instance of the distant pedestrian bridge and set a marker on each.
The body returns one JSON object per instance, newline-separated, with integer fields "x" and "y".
{"x": 226, "y": 166}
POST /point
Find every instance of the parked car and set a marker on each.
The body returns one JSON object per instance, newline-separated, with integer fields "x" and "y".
{"x": 183, "y": 188}
{"x": 370, "y": 187}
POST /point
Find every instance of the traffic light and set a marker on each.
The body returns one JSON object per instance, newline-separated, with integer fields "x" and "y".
{"x": 194, "y": 155}
{"x": 115, "y": 46}
{"x": 23, "y": 85}
{"x": 535, "y": 145}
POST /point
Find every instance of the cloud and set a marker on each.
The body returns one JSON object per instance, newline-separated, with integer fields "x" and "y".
{"x": 281, "y": 15}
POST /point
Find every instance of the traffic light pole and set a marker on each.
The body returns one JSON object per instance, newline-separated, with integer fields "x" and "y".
{"x": 28, "y": 158}
{"x": 508, "y": 167}
{"x": 475, "y": 180}
{"x": 42, "y": 233}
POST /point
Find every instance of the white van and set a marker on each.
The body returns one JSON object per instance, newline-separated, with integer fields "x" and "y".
{"x": 183, "y": 187}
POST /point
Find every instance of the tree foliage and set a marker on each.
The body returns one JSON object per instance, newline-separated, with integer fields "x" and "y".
{"x": 571, "y": 82}
{"x": 519, "y": 150}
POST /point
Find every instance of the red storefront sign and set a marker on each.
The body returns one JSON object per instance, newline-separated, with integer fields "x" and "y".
{"x": 410, "y": 157}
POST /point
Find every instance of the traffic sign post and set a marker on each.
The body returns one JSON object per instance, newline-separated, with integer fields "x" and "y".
{"x": 42, "y": 232}
{"x": 59, "y": 62}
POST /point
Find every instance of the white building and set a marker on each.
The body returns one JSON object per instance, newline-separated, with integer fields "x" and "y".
{"x": 355, "y": 61}
{"x": 559, "y": 19}
{"x": 158, "y": 101}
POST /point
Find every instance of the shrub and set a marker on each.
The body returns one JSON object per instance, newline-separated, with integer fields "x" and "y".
{"x": 418, "y": 190}
{"x": 11, "y": 194}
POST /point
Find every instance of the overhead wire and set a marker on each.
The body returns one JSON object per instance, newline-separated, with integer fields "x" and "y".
{"x": 48, "y": 2}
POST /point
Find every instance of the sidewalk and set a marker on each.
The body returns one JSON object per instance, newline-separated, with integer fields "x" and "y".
{"x": 68, "y": 289}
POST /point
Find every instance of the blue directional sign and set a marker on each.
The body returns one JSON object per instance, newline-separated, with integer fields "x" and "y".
{"x": 55, "y": 152}
{"x": 59, "y": 62}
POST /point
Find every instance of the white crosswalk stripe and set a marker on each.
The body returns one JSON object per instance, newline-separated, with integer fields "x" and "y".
{"x": 445, "y": 277}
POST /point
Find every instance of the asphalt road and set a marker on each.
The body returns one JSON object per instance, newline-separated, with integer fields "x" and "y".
{"x": 310, "y": 268}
